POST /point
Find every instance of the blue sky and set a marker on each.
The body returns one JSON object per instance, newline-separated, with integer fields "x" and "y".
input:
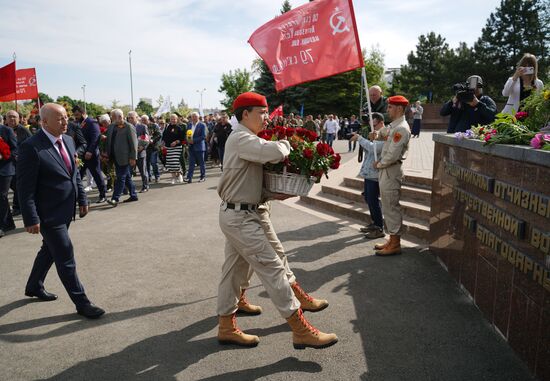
{"x": 180, "y": 46}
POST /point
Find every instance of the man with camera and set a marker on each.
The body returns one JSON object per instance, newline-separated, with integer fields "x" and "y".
{"x": 469, "y": 107}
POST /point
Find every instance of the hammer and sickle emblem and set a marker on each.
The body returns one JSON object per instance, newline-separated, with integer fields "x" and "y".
{"x": 340, "y": 26}
{"x": 32, "y": 81}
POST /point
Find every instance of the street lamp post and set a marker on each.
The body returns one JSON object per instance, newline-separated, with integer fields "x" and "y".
{"x": 200, "y": 104}
{"x": 84, "y": 95}
{"x": 131, "y": 79}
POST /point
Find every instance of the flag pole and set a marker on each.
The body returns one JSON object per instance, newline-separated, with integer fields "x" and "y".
{"x": 364, "y": 76}
{"x": 131, "y": 79}
{"x": 14, "y": 58}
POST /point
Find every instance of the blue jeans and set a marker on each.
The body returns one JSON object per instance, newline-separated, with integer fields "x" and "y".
{"x": 123, "y": 178}
{"x": 372, "y": 198}
{"x": 198, "y": 158}
{"x": 152, "y": 161}
{"x": 330, "y": 139}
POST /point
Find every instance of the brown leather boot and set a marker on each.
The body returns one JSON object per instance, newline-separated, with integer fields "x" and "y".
{"x": 247, "y": 308}
{"x": 380, "y": 246}
{"x": 229, "y": 333}
{"x": 393, "y": 247}
{"x": 307, "y": 302}
{"x": 305, "y": 335}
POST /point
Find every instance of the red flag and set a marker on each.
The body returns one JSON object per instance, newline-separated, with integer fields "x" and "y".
{"x": 277, "y": 112}
{"x": 7, "y": 79}
{"x": 26, "y": 86}
{"x": 313, "y": 41}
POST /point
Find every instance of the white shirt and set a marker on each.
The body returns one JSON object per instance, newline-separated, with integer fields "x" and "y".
{"x": 331, "y": 126}
{"x": 54, "y": 140}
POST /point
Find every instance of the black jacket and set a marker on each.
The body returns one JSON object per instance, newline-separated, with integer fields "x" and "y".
{"x": 464, "y": 116}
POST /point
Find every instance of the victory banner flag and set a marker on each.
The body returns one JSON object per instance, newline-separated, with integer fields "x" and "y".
{"x": 7, "y": 79}
{"x": 277, "y": 112}
{"x": 25, "y": 85}
{"x": 316, "y": 40}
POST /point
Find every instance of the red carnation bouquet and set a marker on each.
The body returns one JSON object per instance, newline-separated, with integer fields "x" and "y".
{"x": 102, "y": 139}
{"x": 307, "y": 161}
{"x": 5, "y": 151}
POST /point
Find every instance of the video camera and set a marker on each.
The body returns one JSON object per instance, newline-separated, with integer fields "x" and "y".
{"x": 465, "y": 92}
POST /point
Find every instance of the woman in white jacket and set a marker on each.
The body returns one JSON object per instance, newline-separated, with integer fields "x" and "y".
{"x": 521, "y": 85}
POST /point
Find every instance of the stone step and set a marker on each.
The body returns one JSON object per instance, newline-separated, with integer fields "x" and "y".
{"x": 359, "y": 211}
{"x": 410, "y": 208}
{"x": 420, "y": 183}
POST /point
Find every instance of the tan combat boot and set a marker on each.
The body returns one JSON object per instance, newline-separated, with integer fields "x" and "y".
{"x": 307, "y": 302}
{"x": 380, "y": 246}
{"x": 229, "y": 333}
{"x": 393, "y": 247}
{"x": 305, "y": 335}
{"x": 247, "y": 308}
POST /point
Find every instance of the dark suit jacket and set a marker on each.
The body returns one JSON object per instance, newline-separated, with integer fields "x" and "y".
{"x": 47, "y": 192}
{"x": 199, "y": 137}
{"x": 90, "y": 130}
{"x": 7, "y": 167}
{"x": 75, "y": 131}
{"x": 125, "y": 145}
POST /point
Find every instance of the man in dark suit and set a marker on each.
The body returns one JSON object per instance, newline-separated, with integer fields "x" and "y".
{"x": 90, "y": 130}
{"x": 197, "y": 147}
{"x": 49, "y": 187}
{"x": 122, "y": 147}
{"x": 7, "y": 172}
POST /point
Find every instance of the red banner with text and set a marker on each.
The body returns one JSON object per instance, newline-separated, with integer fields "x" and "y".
{"x": 7, "y": 79}
{"x": 26, "y": 86}
{"x": 316, "y": 40}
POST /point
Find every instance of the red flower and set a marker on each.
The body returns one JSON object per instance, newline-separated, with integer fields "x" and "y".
{"x": 521, "y": 115}
{"x": 102, "y": 130}
{"x": 308, "y": 153}
{"x": 280, "y": 132}
{"x": 311, "y": 136}
{"x": 323, "y": 149}
{"x": 337, "y": 157}
{"x": 290, "y": 132}
{"x": 301, "y": 132}
{"x": 335, "y": 165}
{"x": 5, "y": 150}
{"x": 265, "y": 134}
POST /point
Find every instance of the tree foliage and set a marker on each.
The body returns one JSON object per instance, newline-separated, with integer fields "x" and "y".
{"x": 515, "y": 28}
{"x": 233, "y": 84}
{"x": 144, "y": 108}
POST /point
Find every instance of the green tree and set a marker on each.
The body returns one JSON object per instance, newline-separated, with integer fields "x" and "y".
{"x": 515, "y": 28}
{"x": 424, "y": 73}
{"x": 233, "y": 84}
{"x": 44, "y": 98}
{"x": 144, "y": 108}
{"x": 286, "y": 7}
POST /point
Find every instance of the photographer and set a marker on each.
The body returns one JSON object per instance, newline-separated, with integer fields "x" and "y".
{"x": 469, "y": 107}
{"x": 522, "y": 83}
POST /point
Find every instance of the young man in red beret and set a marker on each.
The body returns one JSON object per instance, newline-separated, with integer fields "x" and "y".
{"x": 240, "y": 188}
{"x": 390, "y": 173}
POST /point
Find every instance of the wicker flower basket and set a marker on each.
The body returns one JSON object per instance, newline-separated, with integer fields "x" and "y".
{"x": 288, "y": 183}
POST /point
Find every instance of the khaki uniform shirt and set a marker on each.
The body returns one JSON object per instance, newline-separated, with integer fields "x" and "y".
{"x": 396, "y": 145}
{"x": 245, "y": 155}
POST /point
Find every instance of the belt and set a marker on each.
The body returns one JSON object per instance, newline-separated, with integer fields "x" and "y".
{"x": 238, "y": 206}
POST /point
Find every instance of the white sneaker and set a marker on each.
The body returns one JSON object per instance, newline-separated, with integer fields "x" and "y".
{"x": 87, "y": 189}
{"x": 173, "y": 181}
{"x": 180, "y": 179}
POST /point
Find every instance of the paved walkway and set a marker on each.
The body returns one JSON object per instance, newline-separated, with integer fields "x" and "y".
{"x": 154, "y": 266}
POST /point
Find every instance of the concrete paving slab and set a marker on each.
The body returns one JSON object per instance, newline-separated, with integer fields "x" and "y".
{"x": 154, "y": 265}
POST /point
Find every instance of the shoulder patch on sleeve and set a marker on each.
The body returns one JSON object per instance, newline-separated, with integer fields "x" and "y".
{"x": 396, "y": 137}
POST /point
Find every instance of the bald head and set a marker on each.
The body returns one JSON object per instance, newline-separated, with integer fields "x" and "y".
{"x": 54, "y": 119}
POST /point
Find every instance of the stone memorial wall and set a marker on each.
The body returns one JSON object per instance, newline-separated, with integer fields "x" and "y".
{"x": 490, "y": 228}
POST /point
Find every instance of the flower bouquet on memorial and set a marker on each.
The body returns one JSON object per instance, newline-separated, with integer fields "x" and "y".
{"x": 506, "y": 129}
{"x": 5, "y": 151}
{"x": 304, "y": 166}
{"x": 537, "y": 107}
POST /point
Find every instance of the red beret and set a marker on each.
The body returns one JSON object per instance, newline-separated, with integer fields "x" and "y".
{"x": 398, "y": 100}
{"x": 249, "y": 99}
